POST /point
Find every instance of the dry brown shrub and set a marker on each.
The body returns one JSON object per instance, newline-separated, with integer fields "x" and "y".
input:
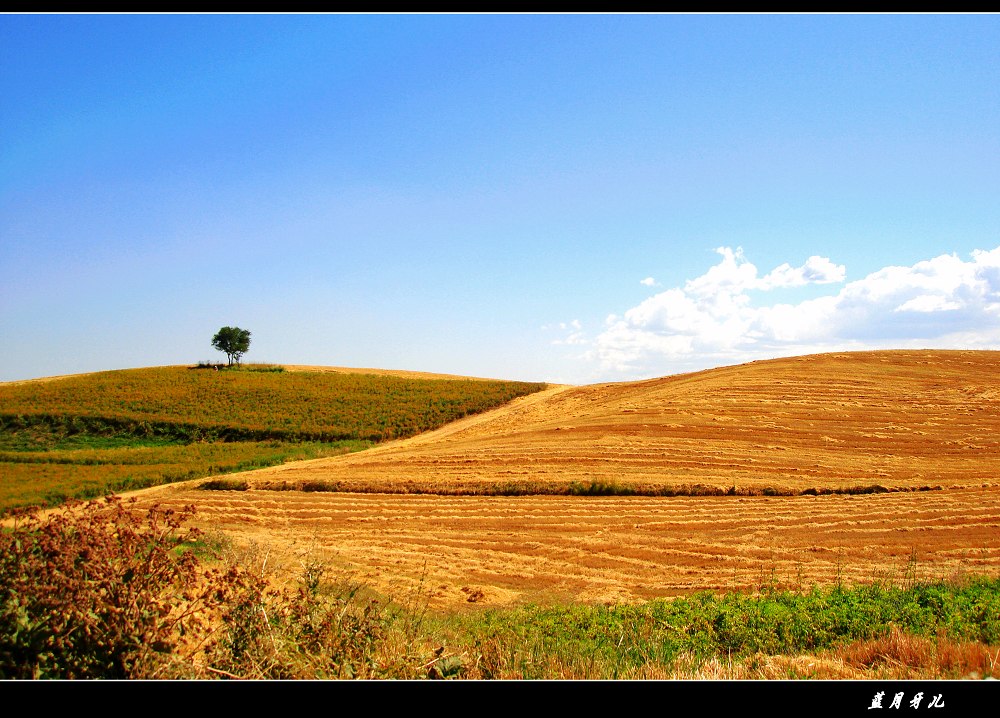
{"x": 898, "y": 654}
{"x": 103, "y": 591}
{"x": 98, "y": 590}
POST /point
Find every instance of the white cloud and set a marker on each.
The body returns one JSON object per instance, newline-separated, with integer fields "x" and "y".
{"x": 648, "y": 282}
{"x": 719, "y": 317}
{"x": 927, "y": 303}
{"x": 816, "y": 270}
{"x": 734, "y": 274}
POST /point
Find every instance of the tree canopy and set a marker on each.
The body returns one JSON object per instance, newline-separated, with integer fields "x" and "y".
{"x": 233, "y": 341}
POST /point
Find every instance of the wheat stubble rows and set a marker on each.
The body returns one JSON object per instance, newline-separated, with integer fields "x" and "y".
{"x": 899, "y": 420}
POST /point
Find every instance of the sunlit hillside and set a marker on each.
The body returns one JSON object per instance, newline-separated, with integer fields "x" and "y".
{"x": 831, "y": 422}
{"x": 810, "y": 470}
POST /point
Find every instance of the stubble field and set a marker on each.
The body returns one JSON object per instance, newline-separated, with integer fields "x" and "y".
{"x": 826, "y": 469}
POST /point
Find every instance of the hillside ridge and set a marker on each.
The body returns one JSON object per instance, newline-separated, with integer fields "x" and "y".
{"x": 308, "y": 368}
{"x": 911, "y": 418}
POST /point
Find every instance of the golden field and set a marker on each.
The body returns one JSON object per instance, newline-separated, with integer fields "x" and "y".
{"x": 847, "y": 467}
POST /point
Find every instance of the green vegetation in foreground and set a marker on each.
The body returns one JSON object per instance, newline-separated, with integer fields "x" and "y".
{"x": 625, "y": 641}
{"x": 81, "y": 437}
{"x": 105, "y": 592}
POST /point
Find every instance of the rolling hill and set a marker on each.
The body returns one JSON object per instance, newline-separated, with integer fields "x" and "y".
{"x": 832, "y": 422}
{"x": 82, "y": 436}
{"x": 815, "y": 470}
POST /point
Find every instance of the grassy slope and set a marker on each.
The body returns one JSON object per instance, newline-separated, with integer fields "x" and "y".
{"x": 292, "y": 405}
{"x": 81, "y": 436}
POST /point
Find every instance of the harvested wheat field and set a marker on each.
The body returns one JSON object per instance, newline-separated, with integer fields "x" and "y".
{"x": 846, "y": 467}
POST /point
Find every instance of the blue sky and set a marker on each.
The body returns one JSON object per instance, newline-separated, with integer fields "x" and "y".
{"x": 572, "y": 198}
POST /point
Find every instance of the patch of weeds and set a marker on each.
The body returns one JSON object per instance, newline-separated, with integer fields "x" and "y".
{"x": 103, "y": 591}
{"x": 210, "y": 545}
{"x": 321, "y": 486}
{"x": 96, "y": 591}
{"x": 224, "y": 484}
{"x": 259, "y": 368}
{"x": 671, "y": 637}
{"x": 598, "y": 487}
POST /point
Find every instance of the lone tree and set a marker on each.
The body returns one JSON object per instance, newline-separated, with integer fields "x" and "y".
{"x": 233, "y": 341}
